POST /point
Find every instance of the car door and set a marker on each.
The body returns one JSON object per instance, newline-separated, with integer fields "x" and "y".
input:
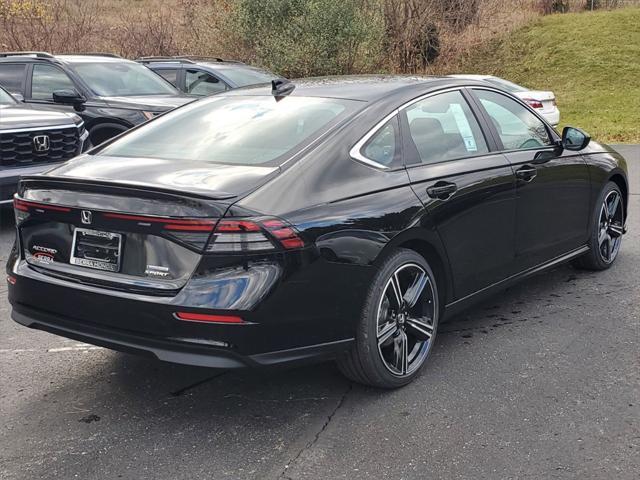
{"x": 553, "y": 189}
{"x": 467, "y": 189}
{"x": 42, "y": 81}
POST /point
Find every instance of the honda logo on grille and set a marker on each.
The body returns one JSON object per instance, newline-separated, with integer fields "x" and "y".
{"x": 41, "y": 143}
{"x": 86, "y": 216}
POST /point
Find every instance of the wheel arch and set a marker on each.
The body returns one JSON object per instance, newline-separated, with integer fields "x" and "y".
{"x": 621, "y": 182}
{"x": 428, "y": 245}
{"x": 110, "y": 124}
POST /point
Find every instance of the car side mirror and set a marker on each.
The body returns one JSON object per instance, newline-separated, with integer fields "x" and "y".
{"x": 574, "y": 139}
{"x": 68, "y": 97}
{"x": 18, "y": 97}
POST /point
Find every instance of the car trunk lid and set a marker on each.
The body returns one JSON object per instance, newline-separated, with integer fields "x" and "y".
{"x": 123, "y": 237}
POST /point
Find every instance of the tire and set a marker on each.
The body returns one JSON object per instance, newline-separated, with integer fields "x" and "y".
{"x": 413, "y": 327}
{"x": 609, "y": 229}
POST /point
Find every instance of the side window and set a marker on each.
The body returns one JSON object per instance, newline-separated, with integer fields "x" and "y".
{"x": 169, "y": 74}
{"x": 384, "y": 146}
{"x": 12, "y": 77}
{"x": 198, "y": 82}
{"x": 47, "y": 79}
{"x": 518, "y": 128}
{"x": 443, "y": 127}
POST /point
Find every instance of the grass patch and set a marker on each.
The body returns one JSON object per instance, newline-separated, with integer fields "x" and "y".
{"x": 590, "y": 60}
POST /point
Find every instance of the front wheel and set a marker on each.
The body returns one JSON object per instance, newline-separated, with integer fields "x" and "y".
{"x": 607, "y": 230}
{"x": 398, "y": 324}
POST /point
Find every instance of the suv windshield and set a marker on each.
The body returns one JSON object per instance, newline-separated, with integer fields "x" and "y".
{"x": 243, "y": 76}
{"x": 122, "y": 79}
{"x": 506, "y": 84}
{"x": 239, "y": 130}
{"x": 6, "y": 99}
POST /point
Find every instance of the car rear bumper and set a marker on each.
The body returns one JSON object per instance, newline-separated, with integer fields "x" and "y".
{"x": 552, "y": 116}
{"x": 175, "y": 350}
{"x": 292, "y": 322}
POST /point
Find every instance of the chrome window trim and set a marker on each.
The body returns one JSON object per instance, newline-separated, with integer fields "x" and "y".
{"x": 550, "y": 129}
{"x": 357, "y": 155}
{"x": 356, "y": 150}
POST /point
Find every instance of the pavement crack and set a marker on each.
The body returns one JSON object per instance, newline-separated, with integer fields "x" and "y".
{"x": 283, "y": 475}
{"x": 181, "y": 391}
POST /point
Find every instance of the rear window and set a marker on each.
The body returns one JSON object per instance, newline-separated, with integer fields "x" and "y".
{"x": 238, "y": 130}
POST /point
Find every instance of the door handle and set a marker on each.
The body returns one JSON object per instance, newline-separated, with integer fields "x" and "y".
{"x": 527, "y": 173}
{"x": 442, "y": 190}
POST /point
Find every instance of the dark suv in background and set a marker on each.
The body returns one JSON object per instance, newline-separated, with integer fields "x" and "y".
{"x": 206, "y": 75}
{"x": 111, "y": 94}
{"x": 32, "y": 141}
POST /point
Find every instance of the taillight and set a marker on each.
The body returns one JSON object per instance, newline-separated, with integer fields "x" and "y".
{"x": 24, "y": 208}
{"x": 236, "y": 236}
{"x": 533, "y": 103}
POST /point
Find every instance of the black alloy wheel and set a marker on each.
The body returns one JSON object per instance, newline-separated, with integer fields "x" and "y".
{"x": 398, "y": 326}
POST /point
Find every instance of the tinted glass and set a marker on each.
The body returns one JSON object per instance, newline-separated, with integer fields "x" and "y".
{"x": 443, "y": 127}
{"x": 6, "y": 99}
{"x": 233, "y": 130}
{"x": 48, "y": 79}
{"x": 198, "y": 82}
{"x": 113, "y": 79}
{"x": 382, "y": 147}
{"x": 12, "y": 77}
{"x": 518, "y": 128}
{"x": 243, "y": 76}
{"x": 169, "y": 74}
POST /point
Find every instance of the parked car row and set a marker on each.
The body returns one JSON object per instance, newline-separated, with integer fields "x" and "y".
{"x": 103, "y": 94}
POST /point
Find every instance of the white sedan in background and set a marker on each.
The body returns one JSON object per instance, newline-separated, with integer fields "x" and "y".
{"x": 543, "y": 102}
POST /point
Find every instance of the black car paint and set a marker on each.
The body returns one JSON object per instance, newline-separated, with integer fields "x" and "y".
{"x": 306, "y": 303}
{"x": 115, "y": 114}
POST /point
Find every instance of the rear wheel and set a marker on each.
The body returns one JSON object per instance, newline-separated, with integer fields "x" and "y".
{"x": 398, "y": 324}
{"x": 608, "y": 227}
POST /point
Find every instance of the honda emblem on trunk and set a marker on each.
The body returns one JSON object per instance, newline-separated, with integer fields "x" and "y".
{"x": 41, "y": 143}
{"x": 85, "y": 216}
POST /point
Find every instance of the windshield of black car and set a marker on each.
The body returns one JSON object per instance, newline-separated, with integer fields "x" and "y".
{"x": 243, "y": 76}
{"x": 6, "y": 99}
{"x": 116, "y": 79}
{"x": 238, "y": 130}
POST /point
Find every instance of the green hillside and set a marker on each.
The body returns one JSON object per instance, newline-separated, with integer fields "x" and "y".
{"x": 590, "y": 60}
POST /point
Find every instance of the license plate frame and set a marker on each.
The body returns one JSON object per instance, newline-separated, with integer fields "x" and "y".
{"x": 96, "y": 263}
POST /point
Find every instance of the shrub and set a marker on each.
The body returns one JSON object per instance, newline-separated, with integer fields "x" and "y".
{"x": 309, "y": 37}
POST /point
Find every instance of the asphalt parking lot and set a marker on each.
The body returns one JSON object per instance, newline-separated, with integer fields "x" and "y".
{"x": 542, "y": 381}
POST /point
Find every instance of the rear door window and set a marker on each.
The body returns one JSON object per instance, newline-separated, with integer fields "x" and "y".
{"x": 442, "y": 127}
{"x": 12, "y": 77}
{"x": 198, "y": 82}
{"x": 47, "y": 79}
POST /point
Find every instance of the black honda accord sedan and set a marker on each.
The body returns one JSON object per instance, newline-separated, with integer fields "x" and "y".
{"x": 335, "y": 218}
